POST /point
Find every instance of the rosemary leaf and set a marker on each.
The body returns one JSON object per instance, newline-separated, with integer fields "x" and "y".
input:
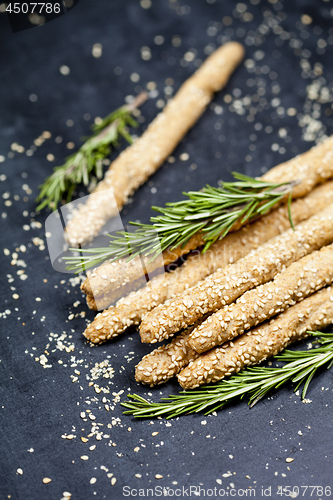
{"x": 87, "y": 162}
{"x": 255, "y": 383}
{"x": 213, "y": 211}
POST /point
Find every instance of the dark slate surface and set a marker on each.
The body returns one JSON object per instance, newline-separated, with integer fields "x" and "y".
{"x": 290, "y": 64}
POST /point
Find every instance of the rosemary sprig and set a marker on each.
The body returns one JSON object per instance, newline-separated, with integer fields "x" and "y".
{"x": 87, "y": 161}
{"x": 255, "y": 383}
{"x": 213, "y": 211}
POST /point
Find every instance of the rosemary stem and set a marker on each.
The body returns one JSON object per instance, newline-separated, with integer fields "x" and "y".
{"x": 255, "y": 382}
{"x": 211, "y": 211}
{"x": 87, "y": 161}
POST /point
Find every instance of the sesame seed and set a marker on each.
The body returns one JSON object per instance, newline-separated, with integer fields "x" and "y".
{"x": 64, "y": 70}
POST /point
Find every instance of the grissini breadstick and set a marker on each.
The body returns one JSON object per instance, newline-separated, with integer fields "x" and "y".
{"x": 139, "y": 161}
{"x": 311, "y": 168}
{"x": 224, "y": 286}
{"x": 262, "y": 342}
{"x": 295, "y": 283}
{"x": 102, "y": 281}
{"x": 130, "y": 310}
{"x": 166, "y": 361}
{"x": 101, "y": 302}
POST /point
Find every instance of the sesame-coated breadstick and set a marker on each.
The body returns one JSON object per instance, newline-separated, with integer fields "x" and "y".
{"x": 225, "y": 286}
{"x": 294, "y": 284}
{"x": 103, "y": 281}
{"x": 310, "y": 168}
{"x": 129, "y": 310}
{"x": 231, "y": 248}
{"x": 166, "y": 361}
{"x": 262, "y": 342}
{"x": 101, "y": 302}
{"x": 139, "y": 161}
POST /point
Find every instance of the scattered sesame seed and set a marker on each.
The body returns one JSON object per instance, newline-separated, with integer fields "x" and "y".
{"x": 64, "y": 70}
{"x": 97, "y": 50}
{"x": 145, "y": 4}
{"x": 306, "y": 19}
{"x": 159, "y": 39}
{"x": 135, "y": 77}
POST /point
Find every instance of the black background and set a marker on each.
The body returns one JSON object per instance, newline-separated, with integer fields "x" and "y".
{"x": 39, "y": 405}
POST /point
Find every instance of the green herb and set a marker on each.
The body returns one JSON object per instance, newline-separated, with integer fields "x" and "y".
{"x": 254, "y": 383}
{"x": 213, "y": 211}
{"x": 81, "y": 166}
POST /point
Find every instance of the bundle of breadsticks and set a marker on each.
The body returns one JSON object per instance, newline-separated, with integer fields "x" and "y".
{"x": 286, "y": 279}
{"x": 132, "y": 308}
{"x": 309, "y": 169}
{"x": 251, "y": 294}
